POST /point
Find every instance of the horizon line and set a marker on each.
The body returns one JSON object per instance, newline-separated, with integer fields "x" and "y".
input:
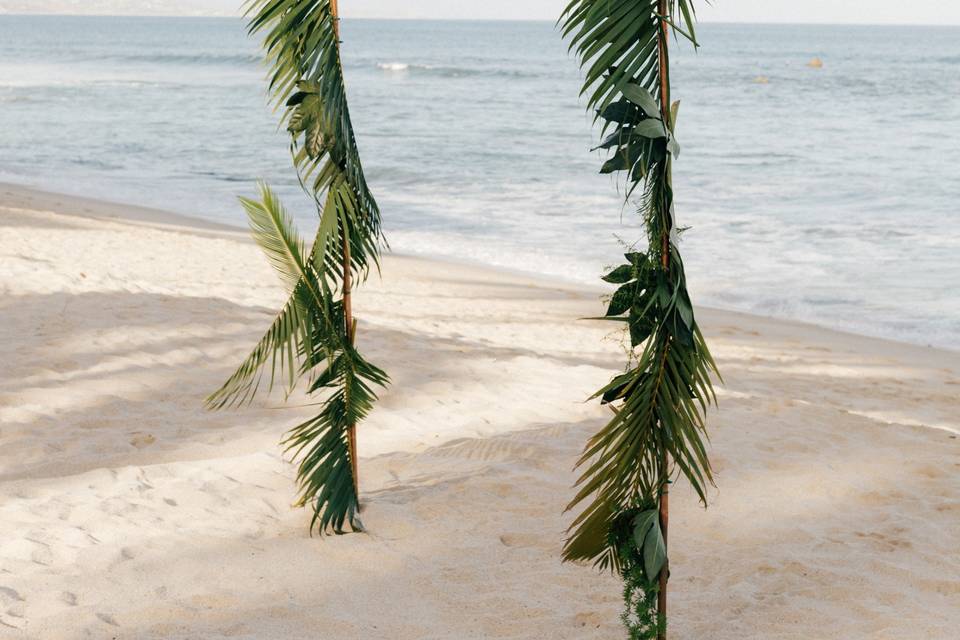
{"x": 505, "y": 20}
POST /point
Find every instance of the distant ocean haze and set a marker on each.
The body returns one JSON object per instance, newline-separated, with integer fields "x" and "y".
{"x": 825, "y": 194}
{"x": 121, "y": 7}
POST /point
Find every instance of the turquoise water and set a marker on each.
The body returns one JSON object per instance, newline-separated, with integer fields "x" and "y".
{"x": 827, "y": 195}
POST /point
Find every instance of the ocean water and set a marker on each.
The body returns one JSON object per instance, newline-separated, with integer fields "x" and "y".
{"x": 829, "y": 195}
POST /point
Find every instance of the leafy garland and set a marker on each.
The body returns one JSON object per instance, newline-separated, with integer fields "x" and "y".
{"x": 659, "y": 404}
{"x": 313, "y": 335}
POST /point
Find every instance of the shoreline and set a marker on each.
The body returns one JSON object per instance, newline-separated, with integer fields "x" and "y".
{"x": 23, "y": 196}
{"x": 27, "y": 197}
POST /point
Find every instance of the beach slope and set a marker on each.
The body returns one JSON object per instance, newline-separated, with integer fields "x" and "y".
{"x": 128, "y": 511}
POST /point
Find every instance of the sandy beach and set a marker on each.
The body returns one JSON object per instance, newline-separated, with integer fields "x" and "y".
{"x": 129, "y": 511}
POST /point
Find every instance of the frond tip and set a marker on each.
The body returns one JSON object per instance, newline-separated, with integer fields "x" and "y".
{"x": 290, "y": 335}
{"x": 325, "y": 473}
{"x": 274, "y": 231}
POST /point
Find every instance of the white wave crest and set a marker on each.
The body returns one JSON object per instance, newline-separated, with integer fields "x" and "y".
{"x": 393, "y": 66}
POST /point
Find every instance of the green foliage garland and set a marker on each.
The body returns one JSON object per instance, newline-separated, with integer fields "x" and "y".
{"x": 659, "y": 403}
{"x": 635, "y": 534}
{"x": 313, "y": 335}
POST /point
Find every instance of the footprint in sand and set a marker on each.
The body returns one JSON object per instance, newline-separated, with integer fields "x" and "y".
{"x": 29, "y": 549}
{"x": 886, "y": 542}
{"x": 12, "y": 614}
{"x": 523, "y": 540}
{"x": 589, "y": 619}
{"x": 142, "y": 440}
{"x": 11, "y": 620}
{"x": 929, "y": 471}
{"x": 948, "y": 507}
{"x": 106, "y": 617}
{"x": 10, "y": 595}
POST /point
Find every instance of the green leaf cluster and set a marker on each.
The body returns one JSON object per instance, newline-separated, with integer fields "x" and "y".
{"x": 311, "y": 337}
{"x": 648, "y": 538}
{"x": 641, "y": 551}
{"x": 659, "y": 403}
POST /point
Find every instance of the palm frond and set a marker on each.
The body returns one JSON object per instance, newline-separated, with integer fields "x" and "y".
{"x": 658, "y": 428}
{"x": 291, "y": 335}
{"x": 273, "y": 230}
{"x": 306, "y": 79}
{"x": 280, "y": 346}
{"x": 313, "y": 334}
{"x": 325, "y": 473}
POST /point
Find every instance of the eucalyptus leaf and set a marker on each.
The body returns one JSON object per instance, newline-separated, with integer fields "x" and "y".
{"x": 638, "y": 173}
{"x": 654, "y": 550}
{"x": 642, "y": 523}
{"x": 650, "y": 128}
{"x": 618, "y": 137}
{"x": 642, "y": 98}
{"x": 306, "y": 86}
{"x": 683, "y": 333}
{"x": 616, "y": 163}
{"x": 621, "y": 112}
{"x": 624, "y": 158}
{"x": 673, "y": 146}
{"x": 314, "y": 139}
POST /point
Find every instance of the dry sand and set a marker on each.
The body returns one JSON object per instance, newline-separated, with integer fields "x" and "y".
{"x": 127, "y": 511}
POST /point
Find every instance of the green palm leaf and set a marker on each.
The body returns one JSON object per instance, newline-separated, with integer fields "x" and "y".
{"x": 273, "y": 230}
{"x": 313, "y": 334}
{"x": 658, "y": 428}
{"x": 279, "y": 346}
{"x": 291, "y": 334}
{"x": 306, "y": 78}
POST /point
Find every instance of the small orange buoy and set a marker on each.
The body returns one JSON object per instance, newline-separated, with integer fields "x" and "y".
{"x": 761, "y": 80}
{"x": 816, "y": 63}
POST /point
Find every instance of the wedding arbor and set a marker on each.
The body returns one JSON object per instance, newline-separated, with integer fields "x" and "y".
{"x": 657, "y": 430}
{"x": 658, "y": 425}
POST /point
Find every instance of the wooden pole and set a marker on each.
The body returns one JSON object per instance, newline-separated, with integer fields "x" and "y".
{"x": 663, "y": 8}
{"x": 335, "y": 13}
{"x": 350, "y": 325}
{"x": 665, "y": 572}
{"x": 664, "y": 64}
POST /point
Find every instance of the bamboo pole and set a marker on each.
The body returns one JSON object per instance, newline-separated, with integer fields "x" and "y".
{"x": 663, "y": 7}
{"x": 350, "y": 325}
{"x": 335, "y": 13}
{"x": 665, "y": 572}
